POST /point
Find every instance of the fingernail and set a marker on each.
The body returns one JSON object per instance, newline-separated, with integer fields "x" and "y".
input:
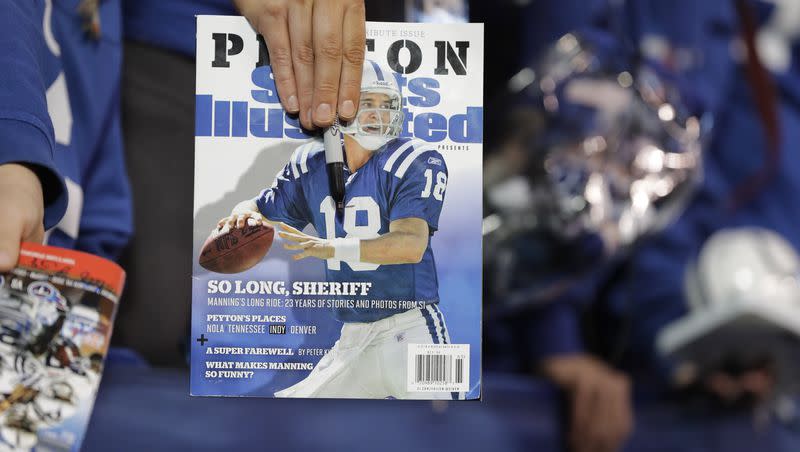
{"x": 348, "y": 109}
{"x": 324, "y": 113}
{"x": 292, "y": 104}
{"x": 309, "y": 121}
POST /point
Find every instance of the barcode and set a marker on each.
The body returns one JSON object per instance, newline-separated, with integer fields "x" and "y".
{"x": 438, "y": 367}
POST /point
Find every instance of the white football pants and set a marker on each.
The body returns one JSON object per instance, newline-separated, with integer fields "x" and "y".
{"x": 370, "y": 359}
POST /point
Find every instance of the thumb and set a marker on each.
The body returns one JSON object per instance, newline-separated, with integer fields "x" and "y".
{"x": 11, "y": 227}
{"x": 21, "y": 212}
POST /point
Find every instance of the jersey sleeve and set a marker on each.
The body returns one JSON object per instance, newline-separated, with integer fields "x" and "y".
{"x": 26, "y": 133}
{"x": 284, "y": 201}
{"x": 107, "y": 214}
{"x": 420, "y": 184}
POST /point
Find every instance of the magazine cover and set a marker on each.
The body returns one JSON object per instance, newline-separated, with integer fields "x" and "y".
{"x": 345, "y": 264}
{"x": 57, "y": 310}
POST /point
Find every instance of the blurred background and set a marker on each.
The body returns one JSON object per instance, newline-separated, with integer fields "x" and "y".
{"x": 641, "y": 228}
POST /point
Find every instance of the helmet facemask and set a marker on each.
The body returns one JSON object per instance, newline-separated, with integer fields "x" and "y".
{"x": 379, "y": 119}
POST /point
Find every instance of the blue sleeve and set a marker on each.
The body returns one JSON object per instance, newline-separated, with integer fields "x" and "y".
{"x": 106, "y": 219}
{"x": 420, "y": 190}
{"x": 26, "y": 134}
{"x": 554, "y": 330}
{"x": 284, "y": 201}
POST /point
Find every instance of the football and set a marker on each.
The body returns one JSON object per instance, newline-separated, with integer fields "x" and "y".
{"x": 236, "y": 250}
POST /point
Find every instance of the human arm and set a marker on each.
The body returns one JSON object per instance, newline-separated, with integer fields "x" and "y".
{"x": 281, "y": 202}
{"x": 600, "y": 410}
{"x": 405, "y": 243}
{"x": 32, "y": 195}
{"x": 600, "y": 403}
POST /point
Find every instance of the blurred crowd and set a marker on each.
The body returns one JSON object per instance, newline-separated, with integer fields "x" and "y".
{"x": 640, "y": 186}
{"x": 641, "y": 180}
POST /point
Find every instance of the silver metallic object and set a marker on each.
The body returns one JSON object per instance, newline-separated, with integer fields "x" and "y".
{"x": 611, "y": 155}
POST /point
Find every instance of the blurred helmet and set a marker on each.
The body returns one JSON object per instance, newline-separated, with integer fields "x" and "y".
{"x": 611, "y": 153}
{"x": 80, "y": 319}
{"x": 51, "y": 304}
{"x": 744, "y": 265}
{"x": 380, "y": 110}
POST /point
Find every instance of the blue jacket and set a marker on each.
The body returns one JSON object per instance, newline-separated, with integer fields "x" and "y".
{"x": 169, "y": 24}
{"x": 59, "y": 92}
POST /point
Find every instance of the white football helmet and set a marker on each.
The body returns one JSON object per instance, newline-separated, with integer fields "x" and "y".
{"x": 380, "y": 118}
{"x": 744, "y": 265}
{"x": 80, "y": 321}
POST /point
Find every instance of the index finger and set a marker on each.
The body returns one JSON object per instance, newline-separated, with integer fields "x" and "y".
{"x": 273, "y": 25}
{"x": 292, "y": 237}
{"x": 10, "y": 237}
{"x": 354, "y": 43}
{"x": 290, "y": 229}
{"x": 327, "y": 37}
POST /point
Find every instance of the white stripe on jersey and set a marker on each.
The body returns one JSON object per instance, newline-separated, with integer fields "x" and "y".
{"x": 292, "y": 163}
{"x": 401, "y": 170}
{"x": 436, "y": 325}
{"x": 304, "y": 157}
{"x": 397, "y": 152}
{"x": 444, "y": 323}
{"x": 278, "y": 176}
{"x": 300, "y": 156}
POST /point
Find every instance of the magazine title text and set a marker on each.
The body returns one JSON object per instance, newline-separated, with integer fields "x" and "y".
{"x": 262, "y": 116}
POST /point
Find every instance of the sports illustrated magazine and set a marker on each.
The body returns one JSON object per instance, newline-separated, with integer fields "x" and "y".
{"x": 57, "y": 310}
{"x": 343, "y": 263}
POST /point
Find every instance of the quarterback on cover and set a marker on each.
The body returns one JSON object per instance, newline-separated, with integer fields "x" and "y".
{"x": 395, "y": 189}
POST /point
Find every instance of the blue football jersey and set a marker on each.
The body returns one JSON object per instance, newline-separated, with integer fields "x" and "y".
{"x": 59, "y": 109}
{"x": 404, "y": 179}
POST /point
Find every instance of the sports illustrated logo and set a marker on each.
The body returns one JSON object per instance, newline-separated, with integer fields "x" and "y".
{"x": 261, "y": 115}
{"x": 434, "y": 161}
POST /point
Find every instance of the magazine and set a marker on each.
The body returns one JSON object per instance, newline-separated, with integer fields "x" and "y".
{"x": 343, "y": 263}
{"x": 57, "y": 310}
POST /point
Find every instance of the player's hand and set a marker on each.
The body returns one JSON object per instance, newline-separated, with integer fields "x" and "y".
{"x": 731, "y": 384}
{"x": 238, "y": 220}
{"x": 601, "y": 415}
{"x": 311, "y": 246}
{"x": 316, "y": 50}
{"x": 21, "y": 212}
{"x": 755, "y": 385}
{"x": 750, "y": 386}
